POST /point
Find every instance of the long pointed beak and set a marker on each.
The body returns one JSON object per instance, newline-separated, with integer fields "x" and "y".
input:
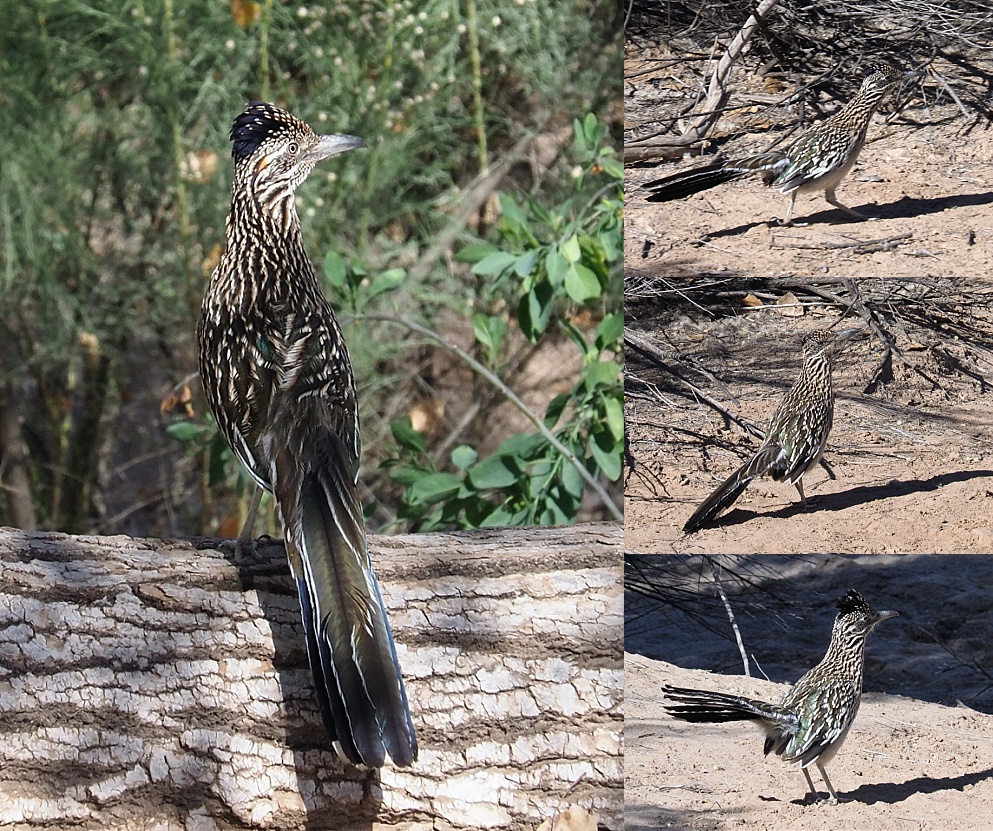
{"x": 843, "y": 337}
{"x": 886, "y": 615}
{"x": 332, "y": 145}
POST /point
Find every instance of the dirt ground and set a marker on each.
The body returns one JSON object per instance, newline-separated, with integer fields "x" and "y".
{"x": 920, "y": 754}
{"x": 913, "y": 464}
{"x": 925, "y": 178}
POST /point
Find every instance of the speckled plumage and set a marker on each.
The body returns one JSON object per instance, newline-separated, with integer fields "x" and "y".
{"x": 812, "y": 721}
{"x": 278, "y": 380}
{"x": 818, "y": 160}
{"x": 797, "y": 433}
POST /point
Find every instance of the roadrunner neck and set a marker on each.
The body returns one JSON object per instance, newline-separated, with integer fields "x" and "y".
{"x": 857, "y": 113}
{"x": 845, "y": 656}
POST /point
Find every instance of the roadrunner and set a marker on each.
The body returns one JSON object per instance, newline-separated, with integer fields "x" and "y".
{"x": 818, "y": 160}
{"x": 813, "y": 719}
{"x": 278, "y": 380}
{"x": 797, "y": 432}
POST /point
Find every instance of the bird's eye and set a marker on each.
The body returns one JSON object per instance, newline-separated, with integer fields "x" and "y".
{"x": 293, "y": 148}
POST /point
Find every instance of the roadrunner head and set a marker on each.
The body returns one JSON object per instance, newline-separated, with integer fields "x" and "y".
{"x": 274, "y": 152}
{"x": 880, "y": 77}
{"x": 856, "y": 617}
{"x": 829, "y": 342}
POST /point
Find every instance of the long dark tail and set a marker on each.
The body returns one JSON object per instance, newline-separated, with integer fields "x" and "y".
{"x": 721, "y": 499}
{"x": 354, "y": 662}
{"x": 691, "y": 181}
{"x": 703, "y": 706}
{"x": 684, "y": 184}
{"x": 706, "y": 706}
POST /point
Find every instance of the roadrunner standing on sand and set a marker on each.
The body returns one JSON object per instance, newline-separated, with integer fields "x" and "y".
{"x": 279, "y": 382}
{"x": 814, "y": 718}
{"x": 797, "y": 432}
{"x": 818, "y": 160}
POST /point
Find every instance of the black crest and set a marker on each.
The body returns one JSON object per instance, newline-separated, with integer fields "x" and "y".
{"x": 258, "y": 123}
{"x": 853, "y": 602}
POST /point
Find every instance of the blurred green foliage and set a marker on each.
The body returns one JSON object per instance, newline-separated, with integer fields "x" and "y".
{"x": 114, "y": 188}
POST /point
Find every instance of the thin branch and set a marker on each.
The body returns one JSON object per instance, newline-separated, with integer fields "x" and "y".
{"x": 511, "y": 396}
{"x": 715, "y": 570}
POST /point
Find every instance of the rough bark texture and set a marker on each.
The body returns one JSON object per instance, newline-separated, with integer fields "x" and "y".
{"x": 148, "y": 684}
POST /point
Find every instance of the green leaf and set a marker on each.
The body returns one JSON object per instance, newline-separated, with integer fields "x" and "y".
{"x": 581, "y": 284}
{"x": 525, "y": 263}
{"x": 555, "y": 408}
{"x": 502, "y": 517}
{"x": 594, "y": 129}
{"x": 387, "y": 281}
{"x": 605, "y": 373}
{"x": 556, "y": 267}
{"x": 615, "y": 417}
{"x": 475, "y": 252}
{"x": 463, "y": 456}
{"x": 535, "y": 310}
{"x": 433, "y": 487}
{"x": 495, "y": 263}
{"x": 552, "y": 515}
{"x": 511, "y": 211}
{"x": 571, "y": 250}
{"x": 489, "y": 330}
{"x": 407, "y": 437}
{"x": 335, "y": 271}
{"x": 220, "y": 455}
{"x": 607, "y": 454}
{"x": 493, "y": 472}
{"x": 613, "y": 167}
{"x": 539, "y": 472}
{"x": 407, "y": 476}
{"x": 522, "y": 445}
{"x": 572, "y": 479}
{"x": 610, "y": 331}
{"x": 578, "y": 338}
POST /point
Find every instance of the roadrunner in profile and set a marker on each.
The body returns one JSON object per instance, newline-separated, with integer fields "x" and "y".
{"x": 278, "y": 380}
{"x": 813, "y": 719}
{"x": 818, "y": 160}
{"x": 797, "y": 433}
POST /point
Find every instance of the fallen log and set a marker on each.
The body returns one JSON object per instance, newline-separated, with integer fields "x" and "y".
{"x": 163, "y": 684}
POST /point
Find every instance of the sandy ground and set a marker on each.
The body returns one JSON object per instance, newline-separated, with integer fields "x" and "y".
{"x": 925, "y": 177}
{"x": 913, "y": 465}
{"x": 920, "y": 754}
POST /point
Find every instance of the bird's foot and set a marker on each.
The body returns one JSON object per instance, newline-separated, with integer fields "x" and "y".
{"x": 241, "y": 550}
{"x": 816, "y": 798}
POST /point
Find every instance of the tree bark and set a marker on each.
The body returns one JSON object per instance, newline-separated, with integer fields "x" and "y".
{"x": 153, "y": 684}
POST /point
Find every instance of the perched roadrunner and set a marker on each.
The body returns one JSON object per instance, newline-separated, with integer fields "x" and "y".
{"x": 797, "y": 432}
{"x": 814, "y": 718}
{"x": 818, "y": 160}
{"x": 278, "y": 379}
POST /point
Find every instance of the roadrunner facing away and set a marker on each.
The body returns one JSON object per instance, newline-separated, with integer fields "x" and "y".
{"x": 797, "y": 432}
{"x": 279, "y": 382}
{"x": 818, "y": 160}
{"x": 814, "y": 718}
